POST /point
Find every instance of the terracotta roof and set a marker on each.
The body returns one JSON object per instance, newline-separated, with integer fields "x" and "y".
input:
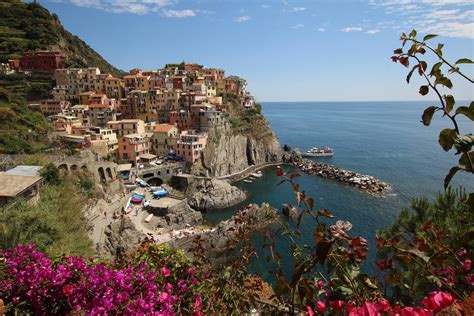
{"x": 111, "y": 78}
{"x": 162, "y": 128}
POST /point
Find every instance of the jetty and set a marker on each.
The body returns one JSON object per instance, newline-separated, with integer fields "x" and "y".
{"x": 360, "y": 181}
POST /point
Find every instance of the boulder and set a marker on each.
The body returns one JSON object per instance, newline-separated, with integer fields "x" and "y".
{"x": 204, "y": 195}
{"x": 121, "y": 236}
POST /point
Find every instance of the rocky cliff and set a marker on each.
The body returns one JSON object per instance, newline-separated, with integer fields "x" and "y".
{"x": 245, "y": 140}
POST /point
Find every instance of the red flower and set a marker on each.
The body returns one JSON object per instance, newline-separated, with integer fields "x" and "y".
{"x": 437, "y": 301}
{"x": 337, "y": 304}
{"x": 320, "y": 307}
{"x": 384, "y": 306}
{"x": 68, "y": 290}
{"x": 309, "y": 311}
{"x": 279, "y": 172}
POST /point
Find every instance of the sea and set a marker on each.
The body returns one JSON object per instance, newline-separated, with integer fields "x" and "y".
{"x": 382, "y": 139}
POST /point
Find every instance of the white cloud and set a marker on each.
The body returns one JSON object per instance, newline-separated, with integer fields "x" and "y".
{"x": 298, "y": 9}
{"x": 374, "y": 31}
{"x": 243, "y": 18}
{"x": 351, "y": 29}
{"x": 178, "y": 13}
{"x": 321, "y": 29}
{"x": 297, "y": 26}
{"x": 136, "y": 7}
{"x": 451, "y": 18}
{"x": 266, "y": 6}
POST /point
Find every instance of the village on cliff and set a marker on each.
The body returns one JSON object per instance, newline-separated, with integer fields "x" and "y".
{"x": 137, "y": 118}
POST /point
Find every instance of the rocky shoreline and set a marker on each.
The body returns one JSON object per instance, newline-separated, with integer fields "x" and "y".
{"x": 360, "y": 181}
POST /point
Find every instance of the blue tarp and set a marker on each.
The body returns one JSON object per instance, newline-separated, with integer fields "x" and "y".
{"x": 160, "y": 193}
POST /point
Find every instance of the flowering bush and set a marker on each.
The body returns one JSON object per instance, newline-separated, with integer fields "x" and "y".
{"x": 33, "y": 283}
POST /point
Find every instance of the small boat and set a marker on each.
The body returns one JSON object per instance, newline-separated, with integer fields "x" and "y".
{"x": 252, "y": 178}
{"x": 319, "y": 152}
{"x": 247, "y": 181}
{"x": 257, "y": 174}
{"x": 160, "y": 193}
{"x": 137, "y": 198}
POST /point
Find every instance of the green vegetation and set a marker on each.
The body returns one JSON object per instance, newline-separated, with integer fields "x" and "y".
{"x": 22, "y": 130}
{"x": 55, "y": 223}
{"x": 29, "y": 26}
{"x": 245, "y": 121}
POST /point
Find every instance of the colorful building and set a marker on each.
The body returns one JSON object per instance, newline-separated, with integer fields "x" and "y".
{"x": 54, "y": 107}
{"x": 190, "y": 145}
{"x": 132, "y": 146}
{"x": 164, "y": 139}
{"x": 41, "y": 61}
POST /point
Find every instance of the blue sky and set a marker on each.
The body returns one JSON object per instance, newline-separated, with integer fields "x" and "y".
{"x": 288, "y": 50}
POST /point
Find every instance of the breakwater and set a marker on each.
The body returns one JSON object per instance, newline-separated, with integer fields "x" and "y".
{"x": 360, "y": 181}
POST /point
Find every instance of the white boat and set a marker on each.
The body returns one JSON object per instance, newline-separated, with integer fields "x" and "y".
{"x": 257, "y": 174}
{"x": 247, "y": 181}
{"x": 319, "y": 152}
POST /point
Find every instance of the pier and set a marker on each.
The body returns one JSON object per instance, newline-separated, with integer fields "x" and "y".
{"x": 360, "y": 181}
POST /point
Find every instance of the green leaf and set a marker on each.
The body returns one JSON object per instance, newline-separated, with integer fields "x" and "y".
{"x": 463, "y": 161}
{"x": 411, "y": 72}
{"x": 412, "y": 33}
{"x": 446, "y": 138}
{"x": 428, "y": 115}
{"x": 424, "y": 90}
{"x": 428, "y": 37}
{"x": 435, "y": 68}
{"x": 464, "y": 61}
{"x": 445, "y": 82}
{"x": 464, "y": 143}
{"x": 439, "y": 50}
{"x": 449, "y": 102}
{"x": 450, "y": 176}
{"x": 467, "y": 111}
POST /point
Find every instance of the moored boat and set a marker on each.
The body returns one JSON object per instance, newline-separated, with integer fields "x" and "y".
{"x": 319, "y": 152}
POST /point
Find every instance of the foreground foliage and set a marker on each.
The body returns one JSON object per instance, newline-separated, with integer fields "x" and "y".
{"x": 55, "y": 223}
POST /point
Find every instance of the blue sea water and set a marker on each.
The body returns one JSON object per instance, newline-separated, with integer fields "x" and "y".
{"x": 382, "y": 139}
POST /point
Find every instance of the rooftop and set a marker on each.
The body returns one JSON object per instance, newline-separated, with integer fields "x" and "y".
{"x": 11, "y": 185}
{"x": 24, "y": 170}
{"x": 163, "y": 128}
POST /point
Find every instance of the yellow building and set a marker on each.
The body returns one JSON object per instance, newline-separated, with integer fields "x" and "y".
{"x": 113, "y": 88}
{"x": 164, "y": 139}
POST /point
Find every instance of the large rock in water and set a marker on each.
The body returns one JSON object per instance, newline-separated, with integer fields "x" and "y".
{"x": 212, "y": 194}
{"x": 228, "y": 151}
{"x": 121, "y": 236}
{"x": 178, "y": 216}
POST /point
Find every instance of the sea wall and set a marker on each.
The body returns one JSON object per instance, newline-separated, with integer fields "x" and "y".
{"x": 360, "y": 181}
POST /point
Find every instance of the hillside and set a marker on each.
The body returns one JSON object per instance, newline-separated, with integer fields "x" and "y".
{"x": 29, "y": 26}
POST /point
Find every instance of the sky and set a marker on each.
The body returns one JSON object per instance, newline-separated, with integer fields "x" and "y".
{"x": 288, "y": 50}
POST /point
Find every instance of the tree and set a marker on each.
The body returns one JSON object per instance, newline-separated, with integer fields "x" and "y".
{"x": 50, "y": 174}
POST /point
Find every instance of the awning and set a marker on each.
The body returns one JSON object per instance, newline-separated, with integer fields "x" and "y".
{"x": 124, "y": 167}
{"x": 147, "y": 156}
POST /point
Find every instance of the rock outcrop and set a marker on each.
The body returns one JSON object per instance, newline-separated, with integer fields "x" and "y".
{"x": 251, "y": 218}
{"x": 212, "y": 194}
{"x": 177, "y": 216}
{"x": 121, "y": 236}
{"x": 229, "y": 151}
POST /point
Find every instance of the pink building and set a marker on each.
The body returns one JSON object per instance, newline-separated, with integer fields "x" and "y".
{"x": 132, "y": 146}
{"x": 190, "y": 145}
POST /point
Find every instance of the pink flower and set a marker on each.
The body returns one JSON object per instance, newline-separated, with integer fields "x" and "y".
{"x": 337, "y": 304}
{"x": 321, "y": 307}
{"x": 309, "y": 311}
{"x": 437, "y": 301}
{"x": 165, "y": 272}
{"x": 320, "y": 285}
{"x": 163, "y": 297}
{"x": 466, "y": 265}
{"x": 462, "y": 252}
{"x": 470, "y": 279}
{"x": 384, "y": 306}
{"x": 68, "y": 290}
